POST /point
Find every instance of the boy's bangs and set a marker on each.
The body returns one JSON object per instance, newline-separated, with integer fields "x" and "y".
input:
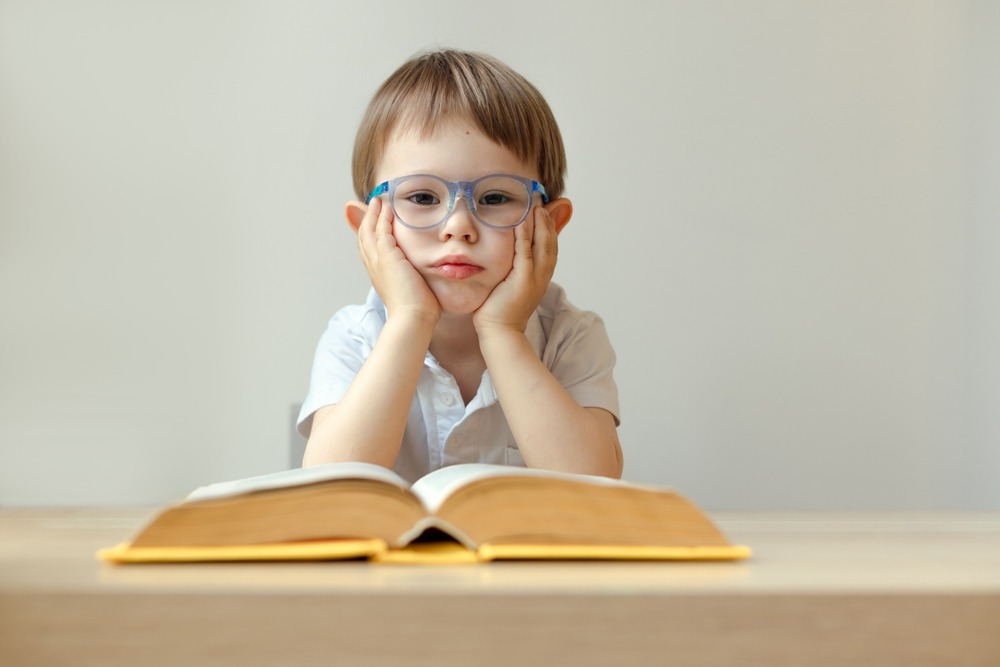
{"x": 428, "y": 110}
{"x": 450, "y": 87}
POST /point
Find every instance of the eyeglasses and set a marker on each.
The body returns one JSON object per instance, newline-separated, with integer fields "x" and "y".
{"x": 423, "y": 201}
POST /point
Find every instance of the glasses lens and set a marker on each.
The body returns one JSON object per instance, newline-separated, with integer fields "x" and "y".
{"x": 501, "y": 201}
{"x": 421, "y": 201}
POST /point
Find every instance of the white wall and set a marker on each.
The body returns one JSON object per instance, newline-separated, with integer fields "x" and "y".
{"x": 786, "y": 212}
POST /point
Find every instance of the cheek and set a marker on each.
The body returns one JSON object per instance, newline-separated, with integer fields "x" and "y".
{"x": 407, "y": 240}
{"x": 509, "y": 255}
{"x": 504, "y": 250}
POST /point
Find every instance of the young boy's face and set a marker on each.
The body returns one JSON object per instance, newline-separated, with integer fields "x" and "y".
{"x": 461, "y": 260}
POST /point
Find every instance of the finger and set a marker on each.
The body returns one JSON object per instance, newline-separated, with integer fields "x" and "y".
{"x": 366, "y": 231}
{"x": 524, "y": 235}
{"x": 545, "y": 245}
{"x": 384, "y": 238}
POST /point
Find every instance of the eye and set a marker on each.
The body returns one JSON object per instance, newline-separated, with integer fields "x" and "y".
{"x": 494, "y": 199}
{"x": 423, "y": 199}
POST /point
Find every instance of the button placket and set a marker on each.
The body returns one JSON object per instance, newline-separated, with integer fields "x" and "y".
{"x": 449, "y": 410}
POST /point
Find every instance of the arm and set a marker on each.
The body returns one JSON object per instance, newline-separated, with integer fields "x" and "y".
{"x": 368, "y": 422}
{"x": 552, "y": 430}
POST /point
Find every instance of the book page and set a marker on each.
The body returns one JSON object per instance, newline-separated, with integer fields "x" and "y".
{"x": 298, "y": 477}
{"x": 435, "y": 487}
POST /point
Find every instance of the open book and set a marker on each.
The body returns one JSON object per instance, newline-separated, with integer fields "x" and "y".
{"x": 477, "y": 512}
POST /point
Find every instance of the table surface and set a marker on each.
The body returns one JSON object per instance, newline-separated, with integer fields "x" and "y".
{"x": 820, "y": 589}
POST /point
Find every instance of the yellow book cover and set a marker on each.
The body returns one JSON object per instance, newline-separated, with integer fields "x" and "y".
{"x": 483, "y": 512}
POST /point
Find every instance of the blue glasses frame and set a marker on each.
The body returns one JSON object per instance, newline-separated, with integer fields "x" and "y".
{"x": 454, "y": 187}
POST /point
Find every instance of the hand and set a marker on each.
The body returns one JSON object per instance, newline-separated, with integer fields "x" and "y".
{"x": 514, "y": 300}
{"x": 401, "y": 288}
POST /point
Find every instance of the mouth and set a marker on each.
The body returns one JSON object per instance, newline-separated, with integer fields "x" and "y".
{"x": 456, "y": 267}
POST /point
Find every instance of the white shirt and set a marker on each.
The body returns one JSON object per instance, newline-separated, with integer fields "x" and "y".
{"x": 441, "y": 430}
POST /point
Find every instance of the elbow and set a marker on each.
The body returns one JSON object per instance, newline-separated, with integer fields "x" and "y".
{"x": 614, "y": 464}
{"x": 310, "y": 458}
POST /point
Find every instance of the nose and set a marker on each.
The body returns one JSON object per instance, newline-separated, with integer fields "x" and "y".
{"x": 460, "y": 221}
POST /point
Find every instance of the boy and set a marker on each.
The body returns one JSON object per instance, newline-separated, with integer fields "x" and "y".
{"x": 464, "y": 351}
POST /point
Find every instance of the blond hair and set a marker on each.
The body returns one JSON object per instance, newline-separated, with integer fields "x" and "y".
{"x": 448, "y": 85}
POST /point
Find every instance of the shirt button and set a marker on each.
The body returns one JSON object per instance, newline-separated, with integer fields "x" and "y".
{"x": 447, "y": 399}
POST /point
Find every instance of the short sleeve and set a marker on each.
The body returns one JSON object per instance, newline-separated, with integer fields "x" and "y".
{"x": 347, "y": 341}
{"x": 578, "y": 352}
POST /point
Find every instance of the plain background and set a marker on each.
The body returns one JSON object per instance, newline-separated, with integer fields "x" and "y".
{"x": 786, "y": 212}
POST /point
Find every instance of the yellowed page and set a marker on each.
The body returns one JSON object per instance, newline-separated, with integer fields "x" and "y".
{"x": 435, "y": 487}
{"x": 297, "y": 477}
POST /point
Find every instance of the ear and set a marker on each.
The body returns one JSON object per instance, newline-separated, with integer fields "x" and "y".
{"x": 355, "y": 211}
{"x": 560, "y": 210}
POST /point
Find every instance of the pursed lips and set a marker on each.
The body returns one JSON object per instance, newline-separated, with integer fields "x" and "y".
{"x": 457, "y": 267}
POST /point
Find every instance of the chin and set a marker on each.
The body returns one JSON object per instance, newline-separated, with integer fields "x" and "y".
{"x": 461, "y": 300}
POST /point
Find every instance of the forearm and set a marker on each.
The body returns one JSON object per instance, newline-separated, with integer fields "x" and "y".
{"x": 368, "y": 422}
{"x": 551, "y": 429}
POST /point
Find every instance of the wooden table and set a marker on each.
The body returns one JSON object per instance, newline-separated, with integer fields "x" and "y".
{"x": 821, "y": 589}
